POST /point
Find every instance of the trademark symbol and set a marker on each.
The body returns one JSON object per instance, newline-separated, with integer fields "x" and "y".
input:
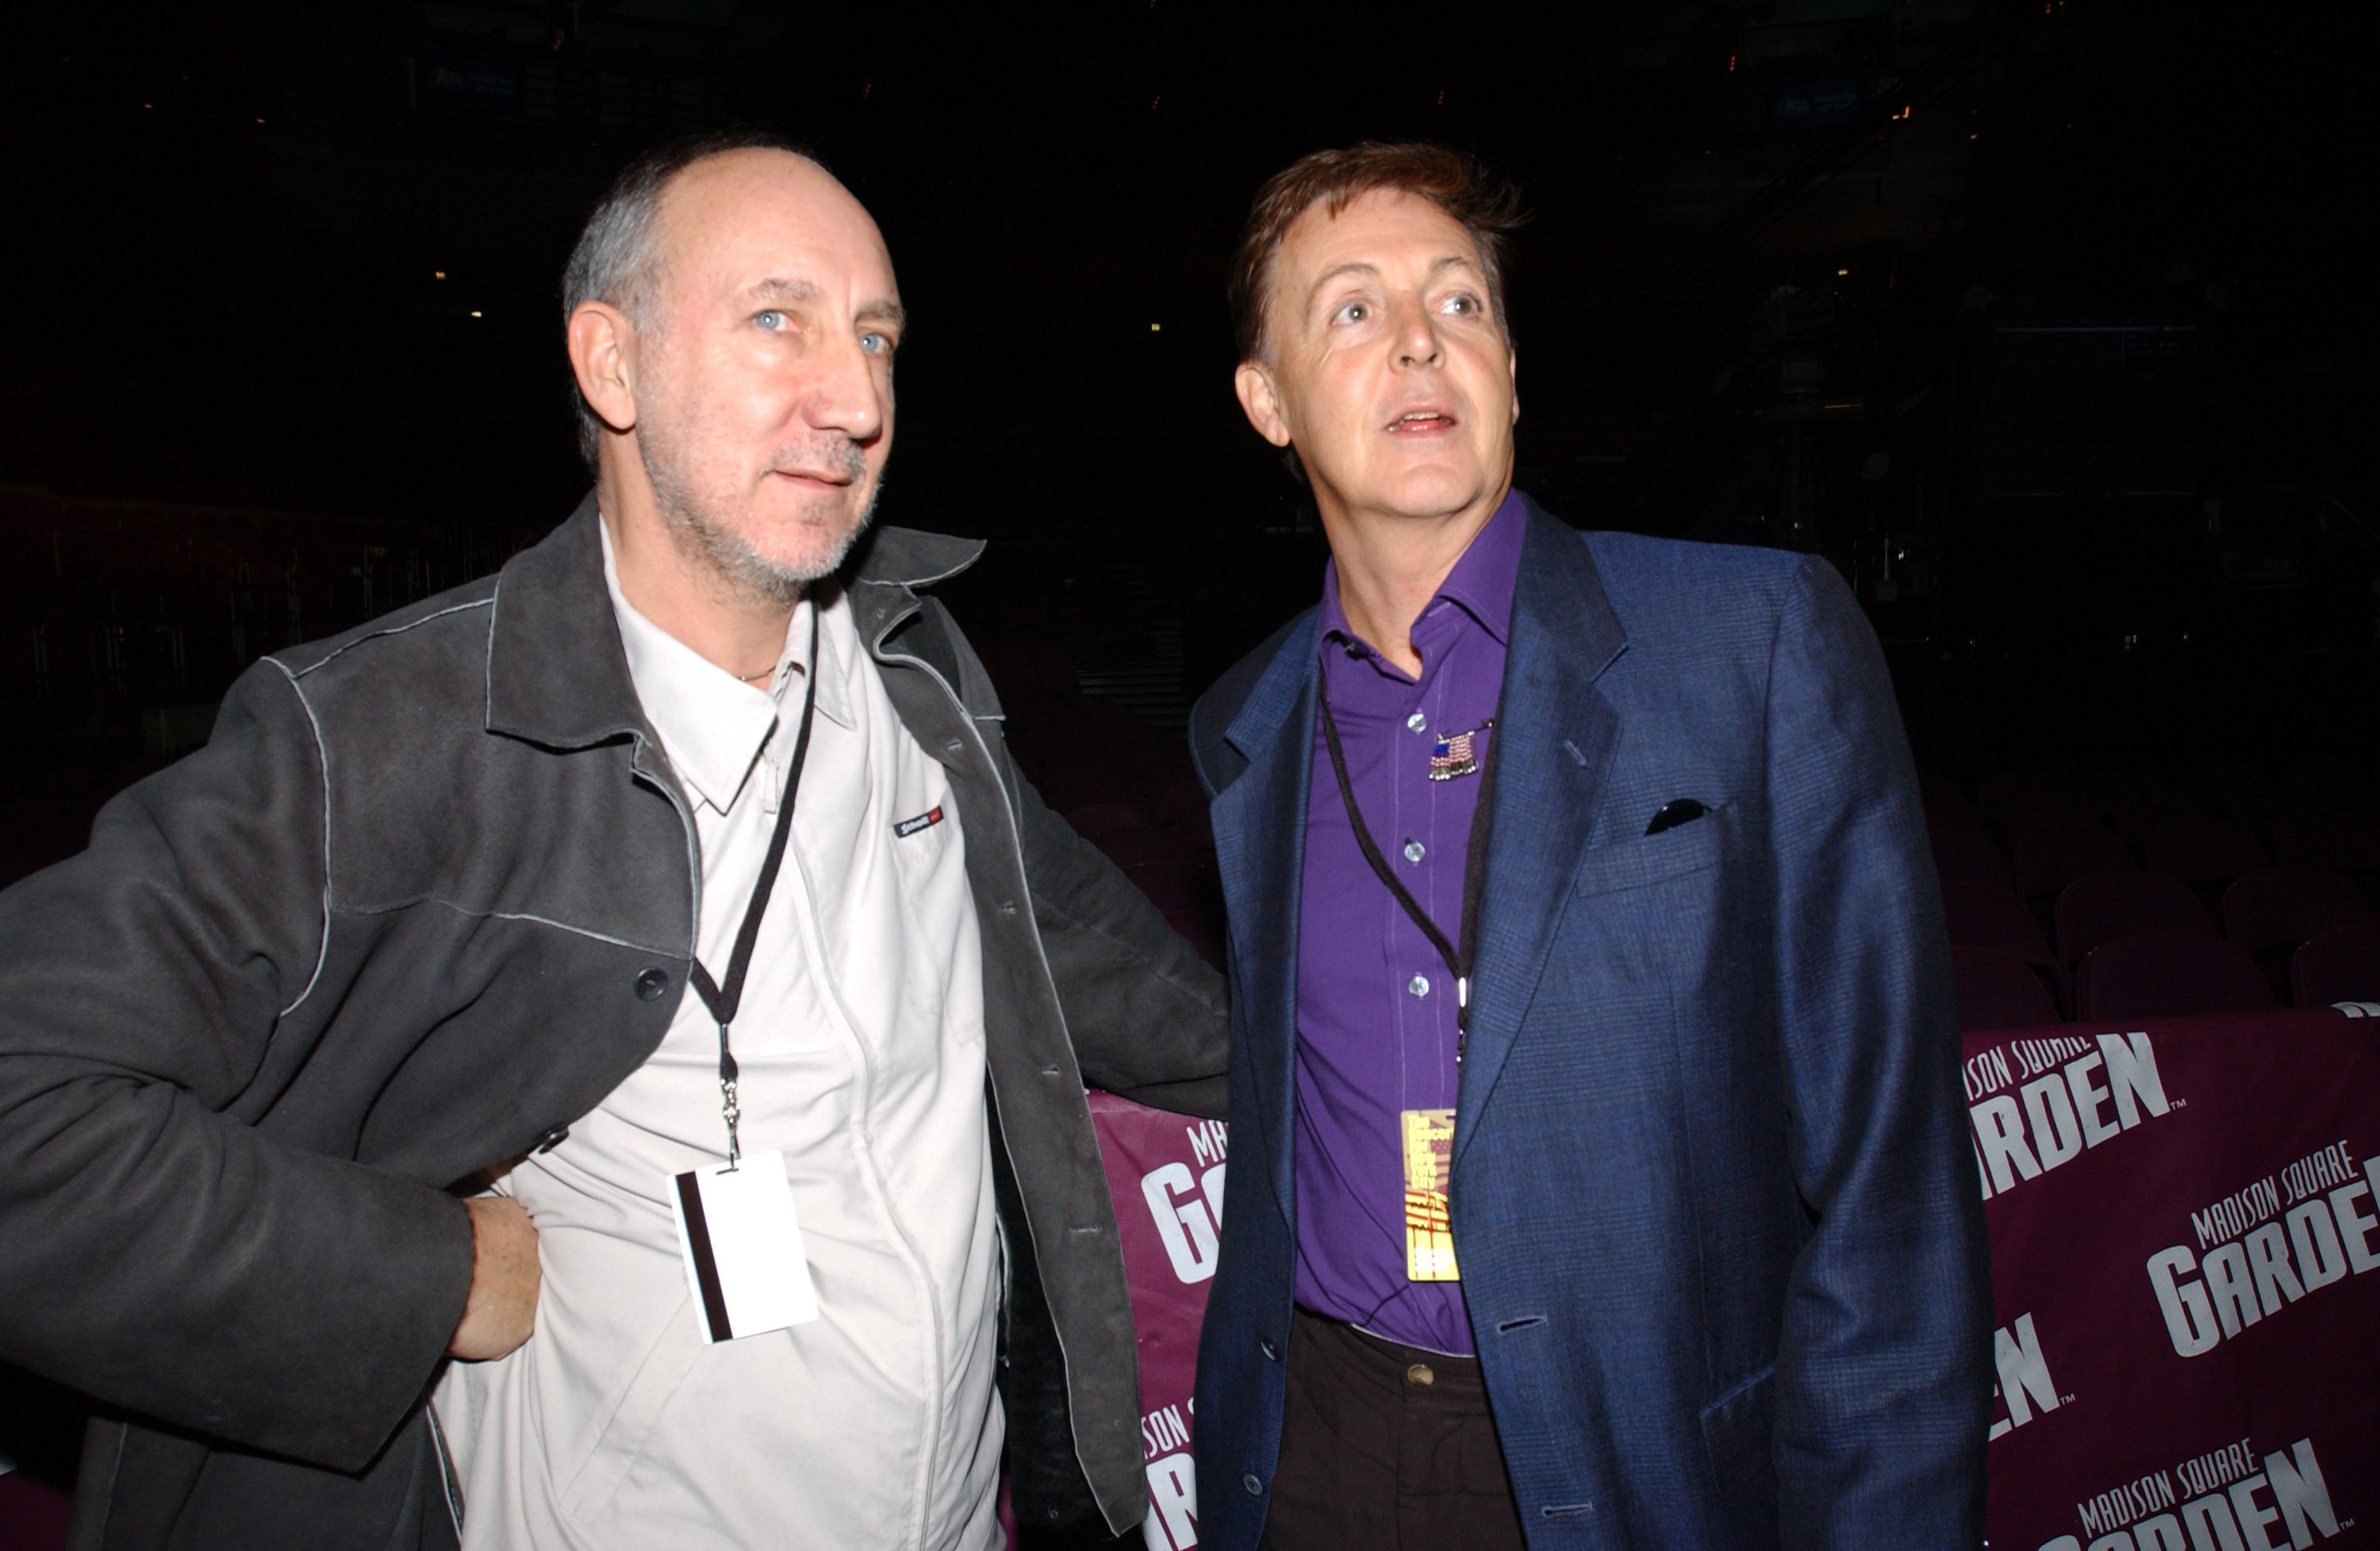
{"x": 2066, "y": 1399}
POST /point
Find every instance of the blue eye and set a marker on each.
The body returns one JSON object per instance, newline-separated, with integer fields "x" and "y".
{"x": 876, "y": 343}
{"x": 772, "y": 318}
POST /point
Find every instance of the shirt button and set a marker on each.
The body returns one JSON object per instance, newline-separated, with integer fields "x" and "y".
{"x": 1418, "y": 985}
{"x": 1414, "y": 852}
{"x": 1419, "y": 1375}
{"x": 1255, "y": 1487}
{"x": 650, "y": 985}
{"x": 1416, "y": 722}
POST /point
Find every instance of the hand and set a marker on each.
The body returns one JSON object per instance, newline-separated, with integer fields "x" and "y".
{"x": 500, "y": 1312}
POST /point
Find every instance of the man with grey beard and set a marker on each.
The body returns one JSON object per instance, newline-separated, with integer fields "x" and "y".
{"x": 597, "y": 1058}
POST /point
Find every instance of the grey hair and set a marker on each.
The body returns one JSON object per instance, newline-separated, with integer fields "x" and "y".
{"x": 616, "y": 261}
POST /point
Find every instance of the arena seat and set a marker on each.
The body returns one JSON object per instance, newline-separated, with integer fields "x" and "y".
{"x": 2342, "y": 965}
{"x": 2159, "y": 975}
{"x": 1981, "y": 913}
{"x": 2103, "y": 906}
{"x": 2269, "y": 911}
{"x": 1998, "y": 991}
{"x": 2215, "y": 850}
{"x": 2046, "y": 860}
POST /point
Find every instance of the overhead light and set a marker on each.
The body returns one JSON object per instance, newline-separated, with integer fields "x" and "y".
{"x": 474, "y": 312}
{"x": 1842, "y": 273}
{"x": 437, "y": 274}
{"x": 1156, "y": 328}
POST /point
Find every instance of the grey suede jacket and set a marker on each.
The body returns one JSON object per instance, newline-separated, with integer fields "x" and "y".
{"x": 424, "y": 900}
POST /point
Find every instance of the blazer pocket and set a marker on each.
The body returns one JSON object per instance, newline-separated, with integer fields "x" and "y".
{"x": 1690, "y": 847}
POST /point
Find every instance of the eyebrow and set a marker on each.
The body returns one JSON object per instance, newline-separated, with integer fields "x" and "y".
{"x": 1359, "y": 266}
{"x": 779, "y": 288}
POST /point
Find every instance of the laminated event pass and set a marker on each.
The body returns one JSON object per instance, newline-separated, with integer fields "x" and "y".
{"x": 1430, "y": 1233}
{"x": 745, "y": 1265}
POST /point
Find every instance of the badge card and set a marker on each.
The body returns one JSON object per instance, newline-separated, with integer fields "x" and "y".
{"x": 744, "y": 1259}
{"x": 1430, "y": 1233}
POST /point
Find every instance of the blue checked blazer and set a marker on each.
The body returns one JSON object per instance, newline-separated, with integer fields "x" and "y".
{"x": 1716, "y": 1218}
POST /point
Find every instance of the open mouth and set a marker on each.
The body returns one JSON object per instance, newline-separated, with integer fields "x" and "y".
{"x": 1423, "y": 420}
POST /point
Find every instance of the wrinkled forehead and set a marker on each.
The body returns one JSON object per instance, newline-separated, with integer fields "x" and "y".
{"x": 734, "y": 220}
{"x": 1379, "y": 227}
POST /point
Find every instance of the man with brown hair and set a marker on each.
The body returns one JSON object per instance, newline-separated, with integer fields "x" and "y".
{"x": 1598, "y": 1171}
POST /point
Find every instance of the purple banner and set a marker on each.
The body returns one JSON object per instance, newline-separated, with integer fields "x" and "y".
{"x": 2185, "y": 1220}
{"x": 1166, "y": 1174}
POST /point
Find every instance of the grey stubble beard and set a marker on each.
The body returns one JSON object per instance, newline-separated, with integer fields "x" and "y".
{"x": 707, "y": 537}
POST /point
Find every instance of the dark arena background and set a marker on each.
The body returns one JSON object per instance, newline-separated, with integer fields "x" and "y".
{"x": 2044, "y": 321}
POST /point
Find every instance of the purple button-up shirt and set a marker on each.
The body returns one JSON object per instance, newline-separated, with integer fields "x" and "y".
{"x": 1375, "y": 1005}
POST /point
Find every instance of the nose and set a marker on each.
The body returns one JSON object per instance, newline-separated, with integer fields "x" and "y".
{"x": 848, "y": 392}
{"x": 1416, "y": 335}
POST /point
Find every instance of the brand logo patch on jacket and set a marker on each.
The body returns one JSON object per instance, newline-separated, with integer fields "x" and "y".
{"x": 925, "y": 820}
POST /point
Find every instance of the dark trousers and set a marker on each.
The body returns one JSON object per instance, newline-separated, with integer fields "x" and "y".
{"x": 1385, "y": 1447}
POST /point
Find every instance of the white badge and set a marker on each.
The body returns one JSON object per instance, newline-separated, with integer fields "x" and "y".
{"x": 743, "y": 1248}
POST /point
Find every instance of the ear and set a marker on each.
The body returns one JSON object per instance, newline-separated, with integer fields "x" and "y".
{"x": 603, "y": 358}
{"x": 1512, "y": 365}
{"x": 1261, "y": 401}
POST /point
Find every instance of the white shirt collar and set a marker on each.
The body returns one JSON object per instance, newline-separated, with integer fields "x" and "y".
{"x": 712, "y": 724}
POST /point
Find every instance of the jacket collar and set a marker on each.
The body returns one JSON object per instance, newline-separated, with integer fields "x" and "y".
{"x": 1264, "y": 715}
{"x": 1558, "y": 597}
{"x": 557, "y": 673}
{"x": 1558, "y": 733}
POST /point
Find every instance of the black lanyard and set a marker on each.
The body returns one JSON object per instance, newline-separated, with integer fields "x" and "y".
{"x": 1474, "y": 868}
{"x": 723, "y": 1000}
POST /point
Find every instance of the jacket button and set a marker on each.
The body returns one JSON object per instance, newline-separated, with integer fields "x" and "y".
{"x": 552, "y": 1139}
{"x": 1271, "y": 1354}
{"x": 651, "y": 984}
{"x": 1255, "y": 1487}
{"x": 1420, "y": 1376}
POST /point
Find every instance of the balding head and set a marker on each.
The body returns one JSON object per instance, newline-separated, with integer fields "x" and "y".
{"x": 617, "y": 258}
{"x": 733, "y": 334}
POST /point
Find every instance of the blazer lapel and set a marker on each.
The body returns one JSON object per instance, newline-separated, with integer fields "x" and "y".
{"x": 1260, "y": 823}
{"x": 1559, "y": 735}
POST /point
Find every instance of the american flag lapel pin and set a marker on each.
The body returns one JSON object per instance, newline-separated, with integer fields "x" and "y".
{"x": 1457, "y": 753}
